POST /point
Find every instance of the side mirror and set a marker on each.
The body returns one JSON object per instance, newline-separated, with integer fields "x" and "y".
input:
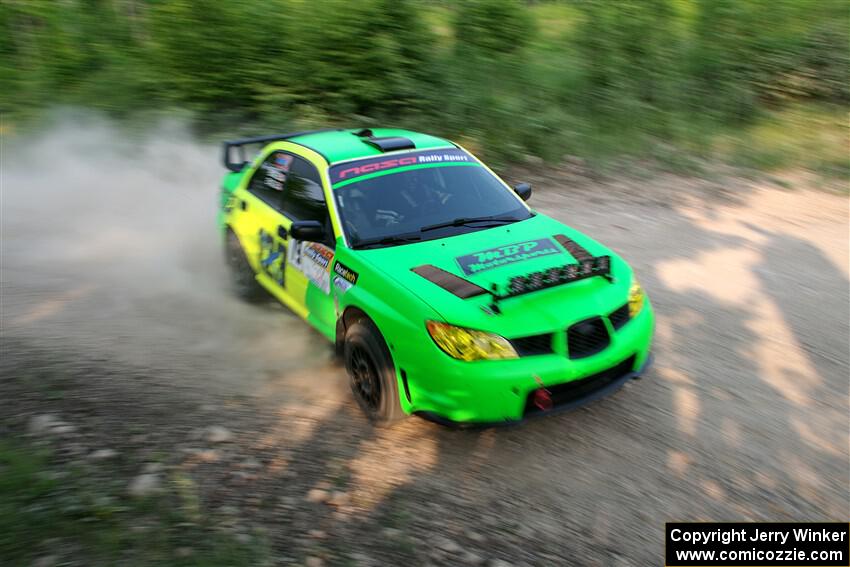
{"x": 523, "y": 190}
{"x": 310, "y": 230}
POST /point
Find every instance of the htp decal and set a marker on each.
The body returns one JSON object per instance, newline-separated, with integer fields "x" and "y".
{"x": 509, "y": 254}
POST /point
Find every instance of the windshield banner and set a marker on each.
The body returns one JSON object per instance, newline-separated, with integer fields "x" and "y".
{"x": 353, "y": 169}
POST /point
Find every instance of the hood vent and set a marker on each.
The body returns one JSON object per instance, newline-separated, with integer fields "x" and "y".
{"x": 449, "y": 282}
{"x": 574, "y": 248}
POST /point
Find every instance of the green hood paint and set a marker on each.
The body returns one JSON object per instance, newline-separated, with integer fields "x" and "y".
{"x": 520, "y": 316}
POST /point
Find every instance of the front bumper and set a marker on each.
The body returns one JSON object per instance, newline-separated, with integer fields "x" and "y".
{"x": 487, "y": 393}
{"x": 572, "y": 404}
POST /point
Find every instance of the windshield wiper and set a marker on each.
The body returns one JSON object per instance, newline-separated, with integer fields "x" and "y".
{"x": 387, "y": 240}
{"x": 462, "y": 221}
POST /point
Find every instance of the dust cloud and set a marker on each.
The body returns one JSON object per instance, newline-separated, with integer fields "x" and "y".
{"x": 110, "y": 249}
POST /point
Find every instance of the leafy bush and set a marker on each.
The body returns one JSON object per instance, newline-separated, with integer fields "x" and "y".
{"x": 492, "y": 27}
{"x": 510, "y": 77}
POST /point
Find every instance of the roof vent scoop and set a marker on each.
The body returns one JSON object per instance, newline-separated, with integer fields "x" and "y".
{"x": 391, "y": 143}
{"x": 386, "y": 143}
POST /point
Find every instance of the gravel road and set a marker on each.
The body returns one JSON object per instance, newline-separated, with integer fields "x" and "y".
{"x": 113, "y": 295}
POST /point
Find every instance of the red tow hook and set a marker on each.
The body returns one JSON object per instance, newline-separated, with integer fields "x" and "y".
{"x": 541, "y": 398}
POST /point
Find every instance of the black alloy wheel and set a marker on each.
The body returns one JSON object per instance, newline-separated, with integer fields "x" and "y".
{"x": 365, "y": 381}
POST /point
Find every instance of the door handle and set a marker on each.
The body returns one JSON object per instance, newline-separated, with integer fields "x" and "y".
{"x": 282, "y": 232}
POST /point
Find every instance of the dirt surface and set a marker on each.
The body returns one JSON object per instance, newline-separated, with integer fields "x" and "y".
{"x": 116, "y": 319}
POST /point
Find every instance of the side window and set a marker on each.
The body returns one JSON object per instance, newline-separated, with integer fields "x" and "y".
{"x": 304, "y": 198}
{"x": 269, "y": 179}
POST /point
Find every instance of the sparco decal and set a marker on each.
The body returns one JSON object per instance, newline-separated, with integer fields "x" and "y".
{"x": 353, "y": 169}
{"x": 509, "y": 254}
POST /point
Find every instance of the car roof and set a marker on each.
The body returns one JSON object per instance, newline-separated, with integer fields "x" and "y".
{"x": 343, "y": 145}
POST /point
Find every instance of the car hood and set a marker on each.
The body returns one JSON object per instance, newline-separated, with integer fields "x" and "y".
{"x": 495, "y": 255}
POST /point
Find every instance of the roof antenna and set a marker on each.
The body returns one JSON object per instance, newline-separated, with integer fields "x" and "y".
{"x": 364, "y": 133}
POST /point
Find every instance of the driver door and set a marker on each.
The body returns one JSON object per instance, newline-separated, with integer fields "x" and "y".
{"x": 286, "y": 188}
{"x": 263, "y": 229}
{"x": 309, "y": 263}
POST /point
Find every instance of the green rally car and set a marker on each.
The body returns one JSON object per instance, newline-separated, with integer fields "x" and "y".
{"x": 446, "y": 295}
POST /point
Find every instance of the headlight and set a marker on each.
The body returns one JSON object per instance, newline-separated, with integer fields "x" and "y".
{"x": 467, "y": 344}
{"x": 636, "y": 297}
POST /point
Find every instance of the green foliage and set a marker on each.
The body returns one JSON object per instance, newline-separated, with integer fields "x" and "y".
{"x": 744, "y": 55}
{"x": 369, "y": 58}
{"x": 45, "y": 510}
{"x": 628, "y": 53}
{"x": 811, "y": 137}
{"x": 512, "y": 78}
{"x": 492, "y": 27}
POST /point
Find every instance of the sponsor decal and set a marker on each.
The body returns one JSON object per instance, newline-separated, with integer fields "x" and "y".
{"x": 354, "y": 169}
{"x": 275, "y": 170}
{"x": 313, "y": 260}
{"x": 319, "y": 255}
{"x": 342, "y": 284}
{"x": 344, "y": 277}
{"x": 590, "y": 267}
{"x": 273, "y": 183}
{"x": 504, "y": 255}
{"x": 272, "y": 253}
{"x": 282, "y": 161}
{"x": 346, "y": 273}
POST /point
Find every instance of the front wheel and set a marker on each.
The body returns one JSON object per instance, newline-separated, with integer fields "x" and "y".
{"x": 371, "y": 373}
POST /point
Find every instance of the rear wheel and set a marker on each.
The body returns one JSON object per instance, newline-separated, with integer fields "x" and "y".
{"x": 242, "y": 277}
{"x": 371, "y": 373}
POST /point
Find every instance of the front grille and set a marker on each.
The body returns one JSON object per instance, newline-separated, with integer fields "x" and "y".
{"x": 535, "y": 344}
{"x": 577, "y": 389}
{"x": 619, "y": 317}
{"x": 587, "y": 337}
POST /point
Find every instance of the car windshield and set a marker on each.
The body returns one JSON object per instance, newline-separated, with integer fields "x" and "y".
{"x": 425, "y": 203}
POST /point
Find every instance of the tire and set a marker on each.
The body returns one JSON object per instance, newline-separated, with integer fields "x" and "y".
{"x": 371, "y": 373}
{"x": 242, "y": 277}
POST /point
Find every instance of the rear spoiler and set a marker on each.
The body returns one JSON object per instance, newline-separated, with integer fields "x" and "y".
{"x": 238, "y": 147}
